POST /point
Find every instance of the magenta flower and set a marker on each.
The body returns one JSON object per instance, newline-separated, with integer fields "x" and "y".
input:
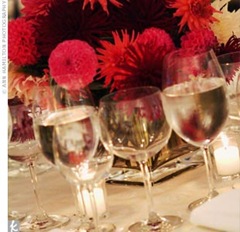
{"x": 199, "y": 40}
{"x": 22, "y": 47}
{"x": 73, "y": 63}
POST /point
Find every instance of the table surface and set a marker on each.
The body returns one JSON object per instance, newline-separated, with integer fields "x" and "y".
{"x": 126, "y": 203}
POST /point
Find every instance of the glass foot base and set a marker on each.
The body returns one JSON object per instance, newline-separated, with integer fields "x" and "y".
{"x": 101, "y": 228}
{"x": 17, "y": 169}
{"x": 202, "y": 200}
{"x": 39, "y": 223}
{"x": 173, "y": 220}
{"x": 146, "y": 227}
{"x": 16, "y": 216}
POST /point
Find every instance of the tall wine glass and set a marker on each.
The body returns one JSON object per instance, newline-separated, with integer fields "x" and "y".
{"x": 24, "y": 148}
{"x": 15, "y": 168}
{"x": 75, "y": 142}
{"x": 47, "y": 100}
{"x": 230, "y": 64}
{"x": 52, "y": 106}
{"x": 13, "y": 214}
{"x": 133, "y": 126}
{"x": 195, "y": 102}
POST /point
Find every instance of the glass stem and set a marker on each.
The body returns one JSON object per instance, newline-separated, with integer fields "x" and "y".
{"x": 90, "y": 189}
{"x": 147, "y": 185}
{"x": 78, "y": 200}
{"x": 34, "y": 180}
{"x": 208, "y": 165}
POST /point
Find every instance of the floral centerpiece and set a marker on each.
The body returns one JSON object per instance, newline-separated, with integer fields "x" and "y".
{"x": 111, "y": 44}
{"x": 130, "y": 38}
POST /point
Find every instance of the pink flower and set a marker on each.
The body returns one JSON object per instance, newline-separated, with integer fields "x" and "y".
{"x": 199, "y": 41}
{"x": 22, "y": 47}
{"x": 157, "y": 41}
{"x": 73, "y": 63}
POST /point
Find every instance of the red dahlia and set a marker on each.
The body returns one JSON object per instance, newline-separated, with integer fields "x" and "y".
{"x": 73, "y": 63}
{"x": 199, "y": 41}
{"x": 196, "y": 14}
{"x": 140, "y": 62}
{"x": 22, "y": 47}
{"x": 111, "y": 56}
{"x": 66, "y": 21}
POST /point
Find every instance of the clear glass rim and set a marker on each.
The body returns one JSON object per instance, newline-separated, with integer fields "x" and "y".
{"x": 109, "y": 97}
{"x": 190, "y": 54}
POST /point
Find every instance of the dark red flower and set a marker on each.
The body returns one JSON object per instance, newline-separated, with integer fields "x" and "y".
{"x": 66, "y": 20}
{"x": 22, "y": 48}
{"x": 104, "y": 3}
{"x": 232, "y": 45}
{"x": 199, "y": 41}
{"x": 141, "y": 62}
{"x": 139, "y": 15}
{"x": 73, "y": 63}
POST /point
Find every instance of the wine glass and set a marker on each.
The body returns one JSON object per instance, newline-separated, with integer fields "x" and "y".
{"x": 13, "y": 214}
{"x": 15, "y": 168}
{"x": 195, "y": 102}
{"x": 133, "y": 126}
{"x": 47, "y": 100}
{"x": 75, "y": 142}
{"x": 24, "y": 148}
{"x": 50, "y": 107}
{"x": 230, "y": 64}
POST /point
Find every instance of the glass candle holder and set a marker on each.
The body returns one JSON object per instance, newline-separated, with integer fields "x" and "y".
{"x": 225, "y": 155}
{"x": 84, "y": 200}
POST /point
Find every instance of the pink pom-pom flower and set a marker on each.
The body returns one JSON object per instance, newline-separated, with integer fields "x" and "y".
{"x": 199, "y": 41}
{"x": 73, "y": 64}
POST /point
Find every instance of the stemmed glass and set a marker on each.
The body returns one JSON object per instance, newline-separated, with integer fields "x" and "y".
{"x": 75, "y": 141}
{"x": 195, "y": 102}
{"x": 13, "y": 214}
{"x": 133, "y": 126}
{"x": 230, "y": 64}
{"x": 15, "y": 168}
{"x": 47, "y": 100}
{"x": 57, "y": 105}
{"x": 24, "y": 148}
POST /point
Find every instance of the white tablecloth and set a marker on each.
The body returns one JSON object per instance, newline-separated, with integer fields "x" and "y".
{"x": 126, "y": 204}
